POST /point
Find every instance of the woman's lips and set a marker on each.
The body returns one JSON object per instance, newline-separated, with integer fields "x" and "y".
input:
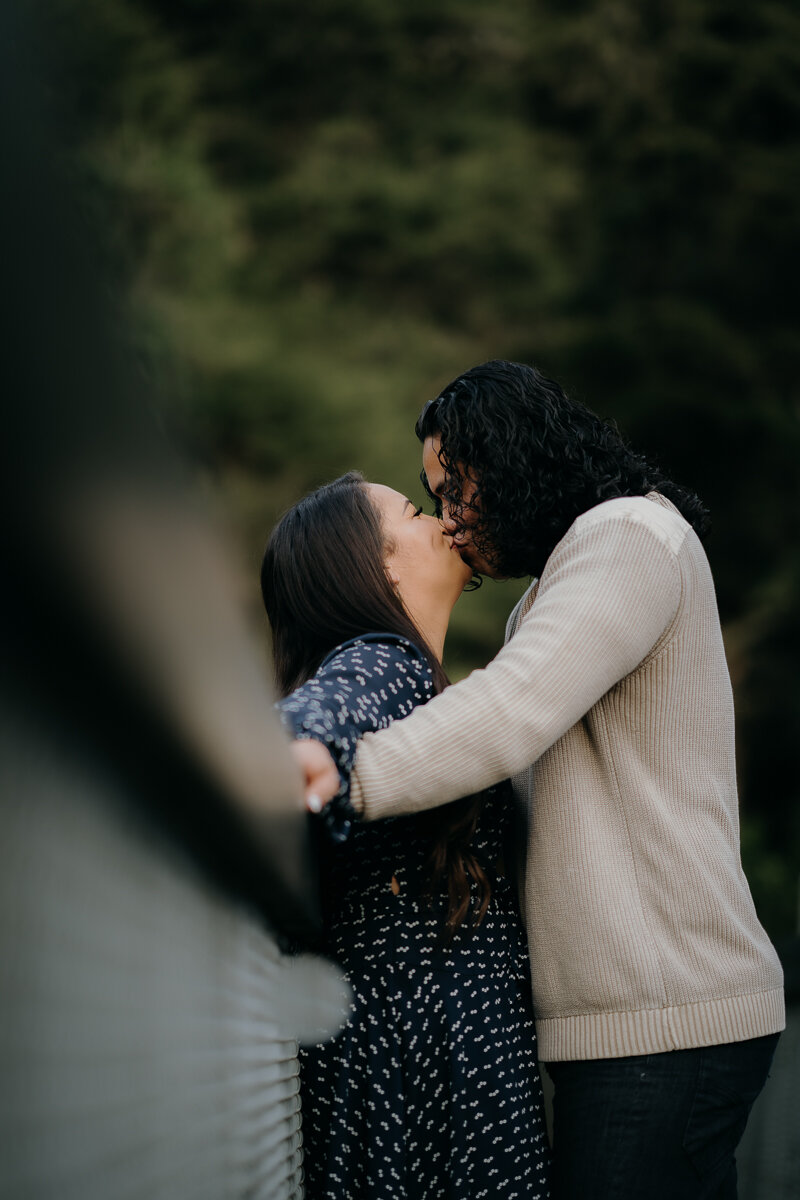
{"x": 459, "y": 549}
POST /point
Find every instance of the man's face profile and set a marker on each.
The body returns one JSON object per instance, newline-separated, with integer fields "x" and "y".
{"x": 456, "y": 523}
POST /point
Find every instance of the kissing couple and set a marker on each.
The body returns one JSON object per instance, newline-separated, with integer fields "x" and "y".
{"x": 540, "y": 862}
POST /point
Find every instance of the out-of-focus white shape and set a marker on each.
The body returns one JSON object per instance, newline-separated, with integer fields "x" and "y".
{"x": 158, "y": 579}
{"x": 148, "y": 1027}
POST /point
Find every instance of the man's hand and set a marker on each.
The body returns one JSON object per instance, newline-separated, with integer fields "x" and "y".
{"x": 320, "y": 776}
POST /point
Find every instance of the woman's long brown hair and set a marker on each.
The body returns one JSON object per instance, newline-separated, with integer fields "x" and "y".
{"x": 323, "y": 581}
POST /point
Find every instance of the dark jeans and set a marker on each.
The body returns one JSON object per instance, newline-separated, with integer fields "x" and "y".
{"x": 655, "y": 1126}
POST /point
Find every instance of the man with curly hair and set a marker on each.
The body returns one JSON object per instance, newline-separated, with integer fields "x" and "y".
{"x": 658, "y": 995}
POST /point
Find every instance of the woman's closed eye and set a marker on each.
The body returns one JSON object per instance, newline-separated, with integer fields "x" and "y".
{"x": 417, "y": 511}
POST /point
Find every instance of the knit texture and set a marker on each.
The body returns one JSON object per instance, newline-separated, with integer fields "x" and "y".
{"x": 611, "y": 708}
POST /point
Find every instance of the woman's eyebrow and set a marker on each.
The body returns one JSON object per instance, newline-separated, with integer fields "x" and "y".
{"x": 407, "y": 503}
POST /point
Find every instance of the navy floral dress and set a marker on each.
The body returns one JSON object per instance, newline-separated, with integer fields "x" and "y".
{"x": 432, "y": 1089}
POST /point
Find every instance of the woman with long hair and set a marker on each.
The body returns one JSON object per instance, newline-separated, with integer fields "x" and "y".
{"x": 432, "y": 1089}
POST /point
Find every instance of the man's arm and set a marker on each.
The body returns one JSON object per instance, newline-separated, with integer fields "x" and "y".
{"x": 609, "y": 593}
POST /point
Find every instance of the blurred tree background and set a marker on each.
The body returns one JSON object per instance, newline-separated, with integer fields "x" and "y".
{"x": 320, "y": 213}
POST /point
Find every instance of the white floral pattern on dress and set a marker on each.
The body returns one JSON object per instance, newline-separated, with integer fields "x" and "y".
{"x": 432, "y": 1088}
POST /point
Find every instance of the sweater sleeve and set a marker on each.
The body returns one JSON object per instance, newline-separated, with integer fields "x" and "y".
{"x": 608, "y": 595}
{"x": 364, "y": 686}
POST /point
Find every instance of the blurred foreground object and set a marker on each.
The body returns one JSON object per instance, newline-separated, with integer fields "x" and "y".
{"x": 153, "y": 840}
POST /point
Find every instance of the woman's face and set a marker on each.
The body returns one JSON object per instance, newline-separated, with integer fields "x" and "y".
{"x": 420, "y": 558}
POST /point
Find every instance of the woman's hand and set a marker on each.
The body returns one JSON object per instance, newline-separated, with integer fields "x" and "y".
{"x": 320, "y": 776}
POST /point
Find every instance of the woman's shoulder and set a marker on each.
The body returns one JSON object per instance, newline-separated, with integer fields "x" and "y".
{"x": 378, "y": 651}
{"x": 385, "y": 670}
{"x": 360, "y": 682}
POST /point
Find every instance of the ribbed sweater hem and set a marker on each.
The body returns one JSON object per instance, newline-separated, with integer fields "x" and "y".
{"x": 655, "y": 1030}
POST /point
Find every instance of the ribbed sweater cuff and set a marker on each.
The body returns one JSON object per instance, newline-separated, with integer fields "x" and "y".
{"x": 655, "y": 1030}
{"x": 356, "y": 795}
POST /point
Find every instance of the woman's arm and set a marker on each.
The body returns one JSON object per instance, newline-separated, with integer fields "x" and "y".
{"x": 364, "y": 686}
{"x": 609, "y": 593}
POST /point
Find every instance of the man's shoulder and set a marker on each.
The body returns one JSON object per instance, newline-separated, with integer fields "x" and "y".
{"x": 653, "y": 512}
{"x": 664, "y": 524}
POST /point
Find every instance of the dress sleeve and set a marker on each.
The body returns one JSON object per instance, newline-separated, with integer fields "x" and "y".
{"x": 362, "y": 688}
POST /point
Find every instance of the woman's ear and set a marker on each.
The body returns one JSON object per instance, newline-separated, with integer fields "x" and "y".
{"x": 389, "y": 568}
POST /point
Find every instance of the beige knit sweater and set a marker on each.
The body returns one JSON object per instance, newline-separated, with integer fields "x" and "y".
{"x": 611, "y": 708}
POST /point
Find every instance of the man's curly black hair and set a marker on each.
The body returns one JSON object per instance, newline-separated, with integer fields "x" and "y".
{"x": 539, "y": 460}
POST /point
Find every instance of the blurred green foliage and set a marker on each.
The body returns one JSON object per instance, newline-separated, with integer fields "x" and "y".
{"x": 320, "y": 213}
